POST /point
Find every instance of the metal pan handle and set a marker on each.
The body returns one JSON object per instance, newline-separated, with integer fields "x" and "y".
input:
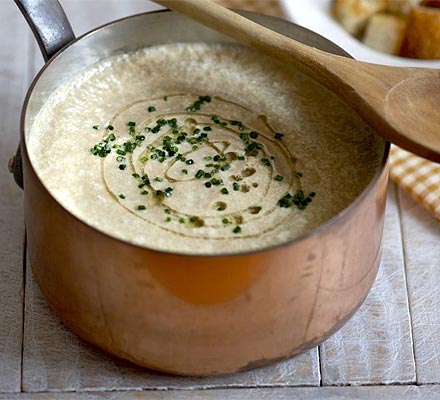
{"x": 49, "y": 24}
{"x": 52, "y": 30}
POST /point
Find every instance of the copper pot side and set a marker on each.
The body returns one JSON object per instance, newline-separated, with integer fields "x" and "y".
{"x": 202, "y": 315}
{"x": 197, "y": 315}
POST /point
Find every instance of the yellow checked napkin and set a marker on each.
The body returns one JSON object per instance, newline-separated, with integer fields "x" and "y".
{"x": 419, "y": 177}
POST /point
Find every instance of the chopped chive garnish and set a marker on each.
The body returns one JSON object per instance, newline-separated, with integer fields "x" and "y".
{"x": 207, "y": 128}
{"x": 122, "y": 167}
{"x": 299, "y": 174}
{"x": 198, "y": 103}
{"x": 135, "y": 175}
{"x": 181, "y": 220}
{"x": 286, "y": 201}
{"x": 224, "y": 191}
{"x": 120, "y": 158}
{"x": 110, "y": 127}
{"x": 168, "y": 219}
{"x": 208, "y": 184}
{"x": 279, "y": 178}
{"x": 265, "y": 161}
{"x": 244, "y": 137}
{"x": 200, "y": 173}
{"x": 254, "y": 134}
{"x": 298, "y": 199}
{"x": 225, "y": 221}
{"x": 278, "y": 136}
{"x": 131, "y": 123}
{"x": 237, "y": 229}
{"x": 185, "y": 171}
{"x": 216, "y": 181}
{"x": 151, "y": 109}
{"x": 167, "y": 211}
{"x": 236, "y": 123}
{"x": 144, "y": 192}
{"x": 158, "y": 179}
{"x": 121, "y": 196}
{"x": 121, "y": 152}
{"x": 129, "y": 146}
{"x": 240, "y": 158}
{"x": 236, "y": 186}
{"x": 95, "y": 127}
{"x": 189, "y": 162}
{"x": 101, "y": 149}
{"x": 141, "y": 207}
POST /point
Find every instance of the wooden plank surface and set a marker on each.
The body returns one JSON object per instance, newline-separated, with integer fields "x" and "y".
{"x": 421, "y": 234}
{"x": 431, "y": 392}
{"x": 376, "y": 344}
{"x": 13, "y": 83}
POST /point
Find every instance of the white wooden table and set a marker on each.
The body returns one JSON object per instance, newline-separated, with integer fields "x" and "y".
{"x": 389, "y": 349}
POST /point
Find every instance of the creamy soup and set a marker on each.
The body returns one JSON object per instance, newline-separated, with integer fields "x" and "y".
{"x": 199, "y": 148}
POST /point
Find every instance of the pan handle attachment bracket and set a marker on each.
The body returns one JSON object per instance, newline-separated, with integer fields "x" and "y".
{"x": 49, "y": 24}
{"x": 15, "y": 167}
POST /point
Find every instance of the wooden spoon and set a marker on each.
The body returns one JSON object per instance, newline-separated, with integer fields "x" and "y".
{"x": 401, "y": 104}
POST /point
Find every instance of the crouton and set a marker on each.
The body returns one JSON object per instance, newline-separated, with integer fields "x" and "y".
{"x": 402, "y": 6}
{"x": 385, "y": 33}
{"x": 422, "y": 37}
{"x": 354, "y": 14}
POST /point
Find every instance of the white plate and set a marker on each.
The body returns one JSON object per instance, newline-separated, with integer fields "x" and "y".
{"x": 316, "y": 16}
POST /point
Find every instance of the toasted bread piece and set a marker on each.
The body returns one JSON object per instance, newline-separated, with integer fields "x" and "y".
{"x": 385, "y": 33}
{"x": 354, "y": 14}
{"x": 422, "y": 38}
{"x": 402, "y": 6}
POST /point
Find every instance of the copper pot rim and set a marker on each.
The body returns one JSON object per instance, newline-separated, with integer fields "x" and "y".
{"x": 326, "y": 226}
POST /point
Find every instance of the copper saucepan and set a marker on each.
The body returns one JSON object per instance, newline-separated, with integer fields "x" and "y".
{"x": 183, "y": 314}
